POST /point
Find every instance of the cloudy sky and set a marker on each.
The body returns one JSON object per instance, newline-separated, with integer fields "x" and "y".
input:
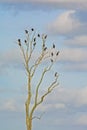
{"x": 65, "y": 23}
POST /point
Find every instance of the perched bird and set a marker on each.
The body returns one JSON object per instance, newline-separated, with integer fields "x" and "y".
{"x": 25, "y": 41}
{"x": 43, "y": 45}
{"x": 56, "y": 74}
{"x": 34, "y": 44}
{"x": 38, "y": 35}
{"x": 51, "y": 60}
{"x": 19, "y": 42}
{"x": 26, "y": 31}
{"x": 51, "y": 53}
{"x": 53, "y": 45}
{"x": 32, "y": 29}
{"x": 45, "y": 48}
{"x": 45, "y": 36}
{"x": 57, "y": 53}
{"x": 34, "y": 39}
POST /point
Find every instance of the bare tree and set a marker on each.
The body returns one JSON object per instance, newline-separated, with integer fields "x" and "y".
{"x": 27, "y": 48}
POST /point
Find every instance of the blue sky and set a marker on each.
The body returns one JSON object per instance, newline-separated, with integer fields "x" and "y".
{"x": 65, "y": 23}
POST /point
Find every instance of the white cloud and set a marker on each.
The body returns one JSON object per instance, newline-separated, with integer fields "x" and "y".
{"x": 82, "y": 120}
{"x": 76, "y": 67}
{"x": 51, "y": 106}
{"x": 82, "y": 97}
{"x": 73, "y": 59}
{"x": 8, "y": 105}
{"x": 15, "y": 105}
{"x": 78, "y": 4}
{"x": 65, "y": 24}
{"x": 60, "y": 106}
{"x": 74, "y": 97}
{"x": 50, "y": 1}
{"x": 77, "y": 40}
{"x": 73, "y": 55}
{"x": 10, "y": 57}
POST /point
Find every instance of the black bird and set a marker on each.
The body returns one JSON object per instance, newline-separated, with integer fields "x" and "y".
{"x": 43, "y": 45}
{"x": 34, "y": 39}
{"x": 26, "y": 31}
{"x": 51, "y": 60}
{"x": 56, "y": 74}
{"x": 53, "y": 45}
{"x": 45, "y": 36}
{"x": 32, "y": 29}
{"x": 25, "y": 41}
{"x": 57, "y": 53}
{"x": 51, "y": 53}
{"x": 34, "y": 44}
{"x": 19, "y": 42}
{"x": 38, "y": 35}
{"x": 45, "y": 48}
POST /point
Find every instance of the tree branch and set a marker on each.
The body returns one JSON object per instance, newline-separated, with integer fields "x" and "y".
{"x": 42, "y": 76}
{"x": 38, "y": 117}
{"x": 50, "y": 88}
{"x": 38, "y": 61}
{"x": 27, "y": 44}
{"x": 25, "y": 59}
{"x": 31, "y": 50}
{"x": 23, "y": 53}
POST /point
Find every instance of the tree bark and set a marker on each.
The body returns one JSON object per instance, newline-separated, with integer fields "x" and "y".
{"x": 28, "y": 119}
{"x": 29, "y": 124}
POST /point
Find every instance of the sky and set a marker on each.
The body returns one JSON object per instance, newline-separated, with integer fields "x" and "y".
{"x": 65, "y": 23}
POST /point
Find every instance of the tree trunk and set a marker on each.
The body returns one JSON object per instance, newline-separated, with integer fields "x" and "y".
{"x": 28, "y": 118}
{"x": 29, "y": 124}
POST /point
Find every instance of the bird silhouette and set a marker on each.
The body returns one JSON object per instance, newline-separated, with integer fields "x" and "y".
{"x": 45, "y": 36}
{"x": 25, "y": 41}
{"x": 38, "y": 35}
{"x": 51, "y": 53}
{"x": 45, "y": 48}
{"x": 19, "y": 42}
{"x": 56, "y": 74}
{"x": 43, "y": 45}
{"x": 34, "y": 39}
{"x": 26, "y": 31}
{"x": 34, "y": 44}
{"x": 53, "y": 45}
{"x": 51, "y": 60}
{"x": 57, "y": 53}
{"x": 32, "y": 29}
